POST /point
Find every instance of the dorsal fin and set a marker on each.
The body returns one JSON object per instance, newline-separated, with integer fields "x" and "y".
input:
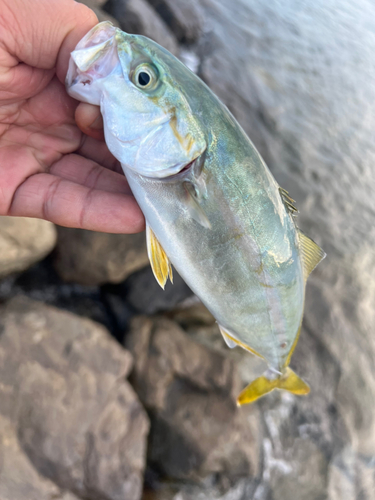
{"x": 288, "y": 202}
{"x": 160, "y": 263}
{"x": 311, "y": 253}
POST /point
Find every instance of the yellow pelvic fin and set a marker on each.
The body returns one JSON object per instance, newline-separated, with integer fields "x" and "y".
{"x": 230, "y": 341}
{"x": 160, "y": 263}
{"x": 288, "y": 381}
{"x": 312, "y": 254}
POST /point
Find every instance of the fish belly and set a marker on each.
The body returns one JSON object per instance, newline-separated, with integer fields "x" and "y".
{"x": 245, "y": 268}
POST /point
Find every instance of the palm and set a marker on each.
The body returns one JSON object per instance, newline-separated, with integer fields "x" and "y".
{"x": 48, "y": 167}
{"x": 35, "y": 134}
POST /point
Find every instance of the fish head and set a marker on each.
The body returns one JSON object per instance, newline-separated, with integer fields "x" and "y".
{"x": 143, "y": 94}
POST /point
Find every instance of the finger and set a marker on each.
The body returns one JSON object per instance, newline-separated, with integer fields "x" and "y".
{"x": 36, "y": 37}
{"x": 44, "y": 32}
{"x": 82, "y": 24}
{"x": 22, "y": 82}
{"x": 90, "y": 120}
{"x": 98, "y": 151}
{"x": 63, "y": 202}
{"x": 88, "y": 173}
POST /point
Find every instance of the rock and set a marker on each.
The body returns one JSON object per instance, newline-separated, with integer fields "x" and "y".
{"x": 92, "y": 258}
{"x": 191, "y": 312}
{"x": 184, "y": 18}
{"x": 243, "y": 490}
{"x": 144, "y": 294}
{"x": 138, "y": 17}
{"x": 24, "y": 241}
{"x": 41, "y": 282}
{"x": 190, "y": 391}
{"x": 18, "y": 478}
{"x": 62, "y": 387}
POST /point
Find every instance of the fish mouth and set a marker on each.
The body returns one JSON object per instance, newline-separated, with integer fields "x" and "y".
{"x": 78, "y": 77}
{"x": 94, "y": 57}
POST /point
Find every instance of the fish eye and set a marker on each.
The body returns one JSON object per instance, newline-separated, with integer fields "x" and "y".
{"x": 145, "y": 76}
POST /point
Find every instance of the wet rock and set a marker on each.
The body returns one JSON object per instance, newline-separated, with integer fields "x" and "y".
{"x": 144, "y": 294}
{"x": 23, "y": 242}
{"x": 190, "y": 391}
{"x": 138, "y": 17}
{"x": 63, "y": 387}
{"x": 184, "y": 18}
{"x": 92, "y": 258}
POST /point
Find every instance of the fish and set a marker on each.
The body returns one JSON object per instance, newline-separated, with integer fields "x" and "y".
{"x": 213, "y": 209}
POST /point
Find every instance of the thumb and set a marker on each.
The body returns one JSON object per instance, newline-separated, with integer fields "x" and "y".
{"x": 37, "y": 37}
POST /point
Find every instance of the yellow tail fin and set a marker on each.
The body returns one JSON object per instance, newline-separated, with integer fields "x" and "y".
{"x": 288, "y": 381}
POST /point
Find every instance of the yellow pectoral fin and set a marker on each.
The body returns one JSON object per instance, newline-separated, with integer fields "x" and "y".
{"x": 289, "y": 381}
{"x": 160, "y": 263}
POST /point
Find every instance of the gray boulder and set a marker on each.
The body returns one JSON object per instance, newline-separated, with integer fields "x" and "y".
{"x": 138, "y": 16}
{"x": 18, "y": 478}
{"x": 143, "y": 293}
{"x": 63, "y": 393}
{"x": 23, "y": 242}
{"x": 190, "y": 391}
{"x": 91, "y": 258}
{"x": 184, "y": 18}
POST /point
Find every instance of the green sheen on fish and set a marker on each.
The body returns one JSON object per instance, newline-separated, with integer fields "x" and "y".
{"x": 211, "y": 205}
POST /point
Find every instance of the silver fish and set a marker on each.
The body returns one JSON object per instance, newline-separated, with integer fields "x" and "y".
{"x": 212, "y": 207}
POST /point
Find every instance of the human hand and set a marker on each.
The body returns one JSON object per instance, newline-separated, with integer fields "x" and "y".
{"x": 49, "y": 168}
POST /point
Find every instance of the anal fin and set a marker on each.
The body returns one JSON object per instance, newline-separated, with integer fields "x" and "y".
{"x": 261, "y": 386}
{"x": 232, "y": 342}
{"x": 227, "y": 338}
{"x": 160, "y": 263}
